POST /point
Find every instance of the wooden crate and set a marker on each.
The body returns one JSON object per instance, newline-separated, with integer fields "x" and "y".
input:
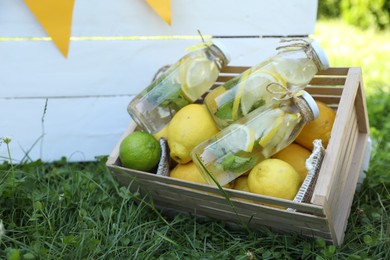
{"x": 326, "y": 214}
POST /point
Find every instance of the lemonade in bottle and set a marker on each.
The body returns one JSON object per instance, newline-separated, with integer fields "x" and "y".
{"x": 239, "y": 147}
{"x": 293, "y": 67}
{"x": 181, "y": 84}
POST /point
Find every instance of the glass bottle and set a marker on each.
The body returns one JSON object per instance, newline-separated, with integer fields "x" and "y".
{"x": 293, "y": 67}
{"x": 239, "y": 147}
{"x": 181, "y": 84}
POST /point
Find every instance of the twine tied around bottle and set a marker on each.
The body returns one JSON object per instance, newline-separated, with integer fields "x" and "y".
{"x": 305, "y": 45}
{"x": 286, "y": 94}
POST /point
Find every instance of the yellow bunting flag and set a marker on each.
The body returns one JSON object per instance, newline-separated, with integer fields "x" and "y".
{"x": 162, "y": 8}
{"x": 56, "y": 18}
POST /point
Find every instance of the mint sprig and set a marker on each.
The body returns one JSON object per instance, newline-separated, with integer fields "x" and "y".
{"x": 237, "y": 164}
{"x": 168, "y": 95}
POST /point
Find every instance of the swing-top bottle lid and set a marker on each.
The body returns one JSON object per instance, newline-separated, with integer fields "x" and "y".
{"x": 224, "y": 50}
{"x": 321, "y": 58}
{"x": 311, "y": 103}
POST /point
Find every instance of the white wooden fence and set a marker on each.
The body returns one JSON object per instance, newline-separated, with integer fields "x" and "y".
{"x": 76, "y": 107}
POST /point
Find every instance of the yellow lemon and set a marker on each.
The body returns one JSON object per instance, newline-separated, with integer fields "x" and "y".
{"x": 241, "y": 183}
{"x": 275, "y": 178}
{"x": 296, "y": 156}
{"x": 187, "y": 172}
{"x": 189, "y": 127}
{"x": 320, "y": 128}
{"x": 163, "y": 133}
{"x": 230, "y": 185}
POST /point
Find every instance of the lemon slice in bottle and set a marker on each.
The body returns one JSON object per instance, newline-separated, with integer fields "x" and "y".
{"x": 283, "y": 135}
{"x": 265, "y": 124}
{"x": 197, "y": 76}
{"x": 267, "y": 137}
{"x": 237, "y": 99}
{"x": 238, "y": 138}
{"x": 255, "y": 92}
{"x": 252, "y": 91}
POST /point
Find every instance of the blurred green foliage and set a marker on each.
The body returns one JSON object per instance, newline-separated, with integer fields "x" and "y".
{"x": 329, "y": 8}
{"x": 362, "y": 13}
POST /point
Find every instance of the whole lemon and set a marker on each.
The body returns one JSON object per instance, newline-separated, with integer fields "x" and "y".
{"x": 320, "y": 128}
{"x": 190, "y": 126}
{"x": 188, "y": 172}
{"x": 275, "y": 178}
{"x": 296, "y": 156}
{"x": 241, "y": 183}
{"x": 139, "y": 151}
{"x": 163, "y": 133}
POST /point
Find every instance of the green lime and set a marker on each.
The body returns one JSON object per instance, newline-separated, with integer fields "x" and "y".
{"x": 139, "y": 151}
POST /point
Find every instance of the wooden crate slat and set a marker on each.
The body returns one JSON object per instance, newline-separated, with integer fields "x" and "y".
{"x": 205, "y": 191}
{"x": 327, "y": 81}
{"x": 349, "y": 190}
{"x": 230, "y": 220}
{"x": 222, "y": 79}
{"x": 361, "y": 107}
{"x": 325, "y": 178}
{"x": 261, "y": 220}
{"x": 233, "y": 69}
{"x": 336, "y": 171}
{"x": 335, "y": 71}
{"x": 324, "y": 90}
{"x": 243, "y": 204}
{"x": 327, "y": 99}
{"x": 338, "y": 135}
{"x": 336, "y": 201}
{"x": 242, "y": 208}
{"x": 243, "y": 216}
{"x": 342, "y": 171}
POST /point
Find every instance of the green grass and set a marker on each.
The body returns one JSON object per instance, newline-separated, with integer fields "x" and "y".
{"x": 78, "y": 211}
{"x": 348, "y": 46}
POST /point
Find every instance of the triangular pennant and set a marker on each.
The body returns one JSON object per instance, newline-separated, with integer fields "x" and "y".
{"x": 55, "y": 16}
{"x": 162, "y": 8}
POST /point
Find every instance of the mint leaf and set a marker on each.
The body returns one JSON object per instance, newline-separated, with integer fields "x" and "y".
{"x": 237, "y": 164}
{"x": 225, "y": 111}
{"x": 257, "y": 104}
{"x": 168, "y": 96}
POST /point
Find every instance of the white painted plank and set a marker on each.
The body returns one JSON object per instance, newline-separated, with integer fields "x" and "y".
{"x": 135, "y": 17}
{"x": 21, "y": 122}
{"x": 95, "y": 68}
{"x": 77, "y": 128}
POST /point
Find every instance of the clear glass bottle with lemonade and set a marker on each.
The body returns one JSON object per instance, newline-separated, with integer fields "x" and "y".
{"x": 253, "y": 138}
{"x": 292, "y": 67}
{"x": 181, "y": 84}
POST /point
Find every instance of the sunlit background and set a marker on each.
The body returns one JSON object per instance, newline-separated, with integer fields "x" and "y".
{"x": 357, "y": 33}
